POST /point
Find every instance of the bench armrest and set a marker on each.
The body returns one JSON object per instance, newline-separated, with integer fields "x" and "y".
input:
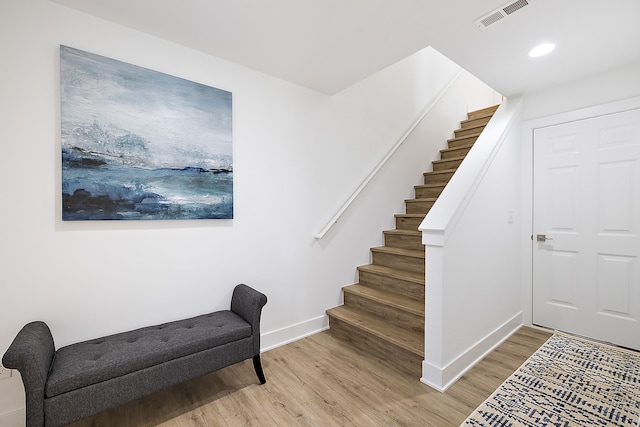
{"x": 247, "y": 303}
{"x": 31, "y": 353}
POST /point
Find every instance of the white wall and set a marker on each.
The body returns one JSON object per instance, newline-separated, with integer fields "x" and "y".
{"x": 472, "y": 238}
{"x": 613, "y": 85}
{"x": 298, "y": 155}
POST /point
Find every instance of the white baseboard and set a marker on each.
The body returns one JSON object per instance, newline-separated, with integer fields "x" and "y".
{"x": 442, "y": 378}
{"x": 292, "y": 333}
{"x": 14, "y": 418}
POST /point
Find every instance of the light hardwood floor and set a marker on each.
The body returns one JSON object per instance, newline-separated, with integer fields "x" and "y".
{"x": 321, "y": 381}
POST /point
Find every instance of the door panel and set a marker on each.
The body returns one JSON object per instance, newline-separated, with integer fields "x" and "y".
{"x": 586, "y": 275}
{"x": 564, "y": 286}
{"x": 616, "y": 286}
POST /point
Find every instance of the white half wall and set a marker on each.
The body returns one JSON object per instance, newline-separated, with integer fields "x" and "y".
{"x": 472, "y": 238}
{"x": 298, "y": 155}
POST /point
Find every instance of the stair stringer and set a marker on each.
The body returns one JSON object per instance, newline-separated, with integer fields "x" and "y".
{"x": 460, "y": 324}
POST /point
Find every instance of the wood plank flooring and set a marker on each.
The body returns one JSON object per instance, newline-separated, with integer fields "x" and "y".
{"x": 321, "y": 381}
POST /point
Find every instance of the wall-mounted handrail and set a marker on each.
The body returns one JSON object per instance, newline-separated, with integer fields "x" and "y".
{"x": 334, "y": 219}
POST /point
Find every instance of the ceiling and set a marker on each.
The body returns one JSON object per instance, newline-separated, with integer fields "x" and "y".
{"x": 328, "y": 45}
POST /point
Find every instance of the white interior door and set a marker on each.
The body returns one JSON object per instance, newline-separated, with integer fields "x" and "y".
{"x": 586, "y": 209}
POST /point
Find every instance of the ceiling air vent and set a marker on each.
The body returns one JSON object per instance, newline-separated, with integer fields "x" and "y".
{"x": 499, "y": 14}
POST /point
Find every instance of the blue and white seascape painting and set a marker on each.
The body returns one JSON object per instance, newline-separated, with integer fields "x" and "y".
{"x": 139, "y": 144}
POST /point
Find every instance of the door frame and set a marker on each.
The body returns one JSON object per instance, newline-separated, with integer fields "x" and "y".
{"x": 526, "y": 207}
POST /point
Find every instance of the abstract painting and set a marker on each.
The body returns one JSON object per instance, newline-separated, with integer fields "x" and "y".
{"x": 138, "y": 144}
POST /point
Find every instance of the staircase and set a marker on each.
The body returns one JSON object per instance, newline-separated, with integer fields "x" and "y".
{"x": 383, "y": 314}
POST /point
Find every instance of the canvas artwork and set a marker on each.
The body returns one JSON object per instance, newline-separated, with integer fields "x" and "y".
{"x": 138, "y": 144}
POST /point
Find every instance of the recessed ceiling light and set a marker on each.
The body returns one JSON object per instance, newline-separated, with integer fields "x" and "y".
{"x": 541, "y": 50}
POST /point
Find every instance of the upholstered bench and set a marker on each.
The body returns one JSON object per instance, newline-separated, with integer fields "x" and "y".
{"x": 83, "y": 379}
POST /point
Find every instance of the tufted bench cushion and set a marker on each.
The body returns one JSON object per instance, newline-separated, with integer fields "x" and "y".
{"x": 91, "y": 362}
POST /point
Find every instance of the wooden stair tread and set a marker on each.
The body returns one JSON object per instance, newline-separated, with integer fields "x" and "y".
{"x": 468, "y": 136}
{"x": 399, "y": 251}
{"x": 471, "y": 130}
{"x": 451, "y": 159}
{"x": 483, "y": 112}
{"x": 443, "y": 172}
{"x": 405, "y": 339}
{"x": 424, "y": 199}
{"x": 459, "y": 147}
{"x": 477, "y": 120}
{"x": 438, "y": 185}
{"x": 406, "y": 215}
{"x": 477, "y": 128}
{"x": 391, "y": 299}
{"x": 401, "y": 232}
{"x": 473, "y": 136}
{"x": 394, "y": 273}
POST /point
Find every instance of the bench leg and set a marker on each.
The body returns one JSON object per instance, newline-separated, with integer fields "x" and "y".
{"x": 257, "y": 365}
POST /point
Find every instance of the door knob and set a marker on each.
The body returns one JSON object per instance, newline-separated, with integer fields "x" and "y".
{"x": 542, "y": 238}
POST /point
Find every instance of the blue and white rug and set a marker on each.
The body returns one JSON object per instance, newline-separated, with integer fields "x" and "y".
{"x": 568, "y": 381}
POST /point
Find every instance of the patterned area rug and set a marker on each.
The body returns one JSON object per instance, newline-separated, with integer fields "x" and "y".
{"x": 567, "y": 382}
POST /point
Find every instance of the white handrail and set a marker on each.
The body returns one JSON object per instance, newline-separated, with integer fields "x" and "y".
{"x": 384, "y": 160}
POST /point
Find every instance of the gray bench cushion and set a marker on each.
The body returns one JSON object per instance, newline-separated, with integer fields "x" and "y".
{"x": 94, "y": 361}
